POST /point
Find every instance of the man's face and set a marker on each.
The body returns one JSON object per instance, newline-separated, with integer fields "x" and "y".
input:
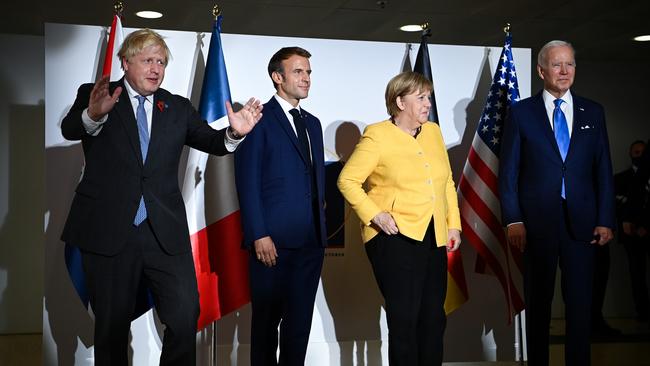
{"x": 146, "y": 70}
{"x": 294, "y": 82}
{"x": 636, "y": 150}
{"x": 558, "y": 71}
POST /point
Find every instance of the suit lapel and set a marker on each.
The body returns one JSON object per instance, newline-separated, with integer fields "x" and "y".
{"x": 578, "y": 120}
{"x": 124, "y": 110}
{"x": 540, "y": 110}
{"x": 159, "y": 122}
{"x": 282, "y": 120}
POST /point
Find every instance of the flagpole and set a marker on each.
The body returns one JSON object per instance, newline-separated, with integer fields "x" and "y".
{"x": 216, "y": 12}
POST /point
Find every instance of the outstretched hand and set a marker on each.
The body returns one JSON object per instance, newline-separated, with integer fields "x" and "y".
{"x": 101, "y": 101}
{"x": 243, "y": 121}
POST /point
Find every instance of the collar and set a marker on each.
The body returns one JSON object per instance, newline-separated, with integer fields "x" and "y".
{"x": 286, "y": 106}
{"x": 549, "y": 98}
{"x": 133, "y": 93}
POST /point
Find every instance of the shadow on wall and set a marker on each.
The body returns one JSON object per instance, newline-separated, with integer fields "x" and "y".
{"x": 68, "y": 320}
{"x": 351, "y": 294}
{"x": 21, "y": 236}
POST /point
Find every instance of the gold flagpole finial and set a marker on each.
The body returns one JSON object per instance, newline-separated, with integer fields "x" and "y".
{"x": 506, "y": 28}
{"x": 118, "y": 7}
{"x": 426, "y": 30}
{"x": 216, "y": 11}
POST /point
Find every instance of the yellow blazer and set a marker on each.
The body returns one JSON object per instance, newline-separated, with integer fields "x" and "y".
{"x": 408, "y": 177}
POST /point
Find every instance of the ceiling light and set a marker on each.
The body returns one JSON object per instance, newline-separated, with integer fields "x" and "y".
{"x": 411, "y": 28}
{"x": 148, "y": 14}
{"x": 643, "y": 38}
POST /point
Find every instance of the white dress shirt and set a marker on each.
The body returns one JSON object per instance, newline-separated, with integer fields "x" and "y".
{"x": 286, "y": 107}
{"x": 566, "y": 107}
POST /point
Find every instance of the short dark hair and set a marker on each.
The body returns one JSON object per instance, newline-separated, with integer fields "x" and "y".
{"x": 275, "y": 64}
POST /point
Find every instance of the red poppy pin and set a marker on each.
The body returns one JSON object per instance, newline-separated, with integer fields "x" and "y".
{"x": 161, "y": 105}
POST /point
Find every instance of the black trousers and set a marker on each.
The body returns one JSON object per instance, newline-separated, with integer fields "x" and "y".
{"x": 113, "y": 285}
{"x": 412, "y": 277}
{"x": 283, "y": 295}
{"x": 576, "y": 260}
{"x": 601, "y": 277}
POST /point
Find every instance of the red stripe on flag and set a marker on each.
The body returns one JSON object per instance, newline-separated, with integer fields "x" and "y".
{"x": 108, "y": 60}
{"x": 487, "y": 256}
{"x": 483, "y": 171}
{"x": 221, "y": 268}
{"x": 483, "y": 211}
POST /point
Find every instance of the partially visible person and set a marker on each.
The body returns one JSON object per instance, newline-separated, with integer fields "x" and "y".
{"x": 127, "y": 216}
{"x": 410, "y": 218}
{"x": 557, "y": 200}
{"x": 280, "y": 177}
{"x": 633, "y": 215}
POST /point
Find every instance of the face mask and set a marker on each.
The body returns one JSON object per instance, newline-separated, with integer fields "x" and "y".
{"x": 637, "y": 161}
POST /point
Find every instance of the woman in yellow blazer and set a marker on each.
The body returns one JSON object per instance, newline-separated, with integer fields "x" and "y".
{"x": 409, "y": 212}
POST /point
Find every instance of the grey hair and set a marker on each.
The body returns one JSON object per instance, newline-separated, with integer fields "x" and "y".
{"x": 541, "y": 56}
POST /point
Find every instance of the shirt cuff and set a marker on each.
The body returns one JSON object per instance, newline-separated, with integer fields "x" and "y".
{"x": 230, "y": 141}
{"x": 514, "y": 223}
{"x": 92, "y": 127}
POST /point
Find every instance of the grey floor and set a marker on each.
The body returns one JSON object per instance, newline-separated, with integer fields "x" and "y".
{"x": 632, "y": 348}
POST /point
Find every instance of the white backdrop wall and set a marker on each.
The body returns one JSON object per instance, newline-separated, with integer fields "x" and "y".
{"x": 348, "y": 85}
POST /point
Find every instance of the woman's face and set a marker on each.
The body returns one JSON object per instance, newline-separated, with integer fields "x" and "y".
{"x": 415, "y": 107}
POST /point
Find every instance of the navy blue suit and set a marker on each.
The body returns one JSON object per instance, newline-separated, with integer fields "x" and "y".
{"x": 276, "y": 185}
{"x": 530, "y": 181}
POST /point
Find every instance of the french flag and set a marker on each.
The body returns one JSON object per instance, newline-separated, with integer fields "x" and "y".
{"x": 212, "y": 206}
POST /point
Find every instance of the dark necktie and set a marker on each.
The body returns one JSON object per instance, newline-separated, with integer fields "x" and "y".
{"x": 143, "y": 132}
{"x": 561, "y": 129}
{"x": 301, "y": 131}
{"x": 303, "y": 141}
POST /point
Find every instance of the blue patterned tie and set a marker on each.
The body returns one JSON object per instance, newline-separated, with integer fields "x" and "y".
{"x": 561, "y": 129}
{"x": 143, "y": 132}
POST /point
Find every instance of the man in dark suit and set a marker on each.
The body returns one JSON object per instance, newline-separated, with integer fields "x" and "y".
{"x": 280, "y": 176}
{"x": 557, "y": 199}
{"x": 632, "y": 206}
{"x": 127, "y": 216}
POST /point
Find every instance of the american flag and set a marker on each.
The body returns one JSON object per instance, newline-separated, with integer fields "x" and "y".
{"x": 478, "y": 189}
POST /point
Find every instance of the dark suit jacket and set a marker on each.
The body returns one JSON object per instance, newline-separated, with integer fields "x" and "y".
{"x": 274, "y": 182}
{"x": 531, "y": 170}
{"x": 114, "y": 179}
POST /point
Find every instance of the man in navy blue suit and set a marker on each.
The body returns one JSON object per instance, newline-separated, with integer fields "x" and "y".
{"x": 280, "y": 175}
{"x": 557, "y": 200}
